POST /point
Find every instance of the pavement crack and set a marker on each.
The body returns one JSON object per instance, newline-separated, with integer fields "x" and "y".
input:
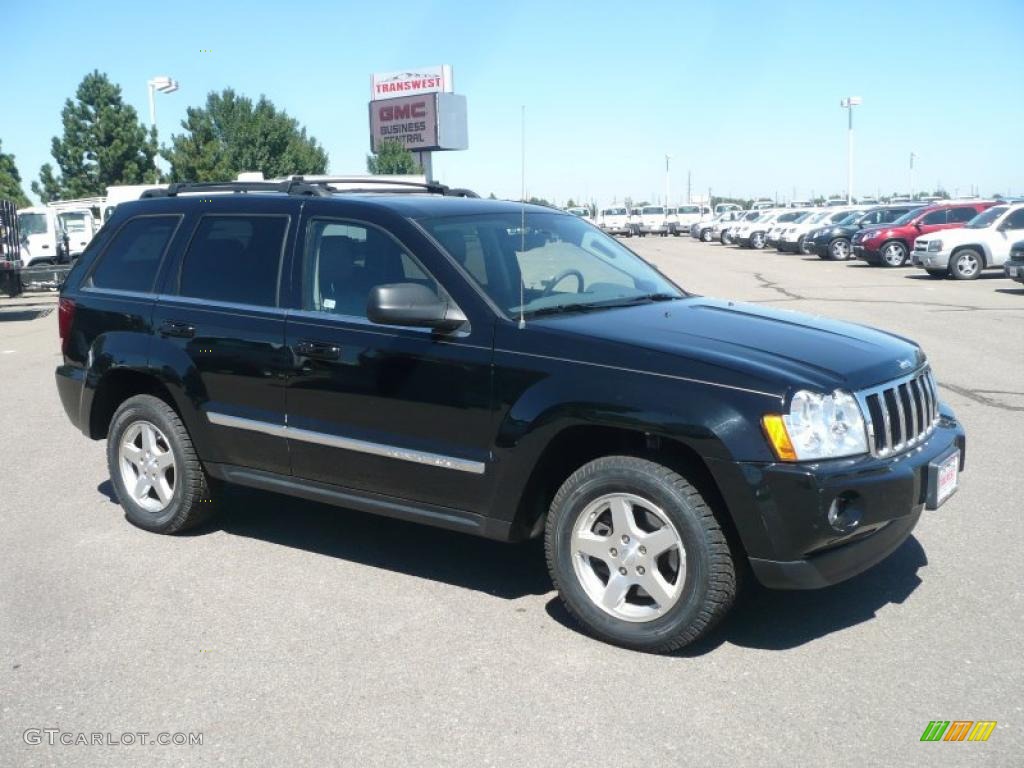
{"x": 766, "y": 283}
{"x": 976, "y": 396}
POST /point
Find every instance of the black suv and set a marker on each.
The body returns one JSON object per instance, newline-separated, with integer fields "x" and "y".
{"x": 501, "y": 369}
{"x": 833, "y": 242}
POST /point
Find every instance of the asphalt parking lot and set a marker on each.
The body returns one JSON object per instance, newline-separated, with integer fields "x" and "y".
{"x": 289, "y": 633}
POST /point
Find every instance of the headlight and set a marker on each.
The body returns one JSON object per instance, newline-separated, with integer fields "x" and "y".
{"x": 934, "y": 246}
{"x": 817, "y": 427}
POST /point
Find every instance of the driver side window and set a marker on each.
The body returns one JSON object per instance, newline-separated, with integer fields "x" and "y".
{"x": 344, "y": 261}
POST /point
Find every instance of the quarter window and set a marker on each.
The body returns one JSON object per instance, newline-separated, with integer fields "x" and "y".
{"x": 235, "y": 259}
{"x": 344, "y": 261}
{"x": 131, "y": 261}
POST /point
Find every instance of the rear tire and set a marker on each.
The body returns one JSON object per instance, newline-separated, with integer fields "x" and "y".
{"x": 149, "y": 447}
{"x": 893, "y": 254}
{"x": 621, "y": 525}
{"x": 966, "y": 264}
{"x": 706, "y": 236}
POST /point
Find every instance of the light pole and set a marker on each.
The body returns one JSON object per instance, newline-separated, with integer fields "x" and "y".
{"x": 848, "y": 104}
{"x": 667, "y": 158}
{"x": 164, "y": 84}
{"x": 912, "y": 158}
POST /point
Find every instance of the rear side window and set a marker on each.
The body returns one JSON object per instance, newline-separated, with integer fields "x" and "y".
{"x": 235, "y": 259}
{"x": 935, "y": 217}
{"x": 1015, "y": 220}
{"x": 131, "y": 261}
{"x": 960, "y": 215}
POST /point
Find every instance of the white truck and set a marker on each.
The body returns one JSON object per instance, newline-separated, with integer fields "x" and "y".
{"x": 614, "y": 221}
{"x": 652, "y": 221}
{"x": 679, "y": 220}
{"x": 984, "y": 243}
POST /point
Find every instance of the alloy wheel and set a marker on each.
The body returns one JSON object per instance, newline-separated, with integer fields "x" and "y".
{"x": 147, "y": 465}
{"x": 894, "y": 254}
{"x": 628, "y": 557}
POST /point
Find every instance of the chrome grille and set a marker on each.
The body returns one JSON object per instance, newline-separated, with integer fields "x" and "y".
{"x": 901, "y": 413}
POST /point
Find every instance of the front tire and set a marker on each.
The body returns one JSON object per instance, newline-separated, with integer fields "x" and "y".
{"x": 893, "y": 254}
{"x": 966, "y": 264}
{"x": 706, "y": 236}
{"x": 637, "y": 556}
{"x": 757, "y": 241}
{"x": 838, "y": 250}
{"x": 154, "y": 469}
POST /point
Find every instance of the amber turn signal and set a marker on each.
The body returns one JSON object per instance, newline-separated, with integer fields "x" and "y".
{"x": 778, "y": 437}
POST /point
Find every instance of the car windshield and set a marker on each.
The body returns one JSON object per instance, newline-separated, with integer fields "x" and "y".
{"x": 615, "y": 212}
{"x": 985, "y": 219}
{"x": 555, "y": 263}
{"x": 847, "y": 218}
{"x": 689, "y": 209}
{"x": 653, "y": 210}
{"x": 752, "y": 216}
{"x": 32, "y": 223}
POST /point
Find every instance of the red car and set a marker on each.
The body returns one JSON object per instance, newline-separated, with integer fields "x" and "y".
{"x": 890, "y": 244}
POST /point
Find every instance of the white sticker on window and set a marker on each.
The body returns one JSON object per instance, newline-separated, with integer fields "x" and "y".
{"x": 328, "y": 303}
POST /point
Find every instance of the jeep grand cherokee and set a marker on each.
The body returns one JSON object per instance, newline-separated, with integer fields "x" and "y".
{"x": 502, "y": 370}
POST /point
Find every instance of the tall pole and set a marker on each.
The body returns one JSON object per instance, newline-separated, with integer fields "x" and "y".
{"x": 667, "y": 158}
{"x": 849, "y": 155}
{"x": 912, "y": 156}
{"x": 152, "y": 106}
{"x": 689, "y": 187}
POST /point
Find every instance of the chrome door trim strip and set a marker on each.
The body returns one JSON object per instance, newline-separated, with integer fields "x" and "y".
{"x": 348, "y": 443}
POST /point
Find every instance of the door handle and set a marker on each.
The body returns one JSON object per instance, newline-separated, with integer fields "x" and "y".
{"x": 177, "y": 329}
{"x": 319, "y": 350}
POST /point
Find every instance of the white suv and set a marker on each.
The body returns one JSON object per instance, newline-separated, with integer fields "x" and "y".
{"x": 983, "y": 244}
{"x": 614, "y": 221}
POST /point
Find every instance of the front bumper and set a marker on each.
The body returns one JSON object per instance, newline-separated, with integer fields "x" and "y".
{"x": 795, "y": 546}
{"x": 866, "y": 253}
{"x": 932, "y": 259}
{"x": 616, "y": 230}
{"x": 1014, "y": 270}
{"x": 654, "y": 229}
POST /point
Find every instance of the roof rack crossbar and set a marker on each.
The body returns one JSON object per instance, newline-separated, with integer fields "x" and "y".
{"x": 290, "y": 187}
{"x": 428, "y": 186}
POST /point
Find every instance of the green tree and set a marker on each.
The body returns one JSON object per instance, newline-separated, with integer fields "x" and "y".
{"x": 10, "y": 181}
{"x": 231, "y": 134}
{"x": 392, "y": 158}
{"x": 103, "y": 144}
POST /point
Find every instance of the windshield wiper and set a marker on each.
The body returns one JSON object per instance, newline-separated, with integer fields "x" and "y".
{"x": 560, "y": 308}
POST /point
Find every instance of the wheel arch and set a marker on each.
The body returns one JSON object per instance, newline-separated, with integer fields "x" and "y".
{"x": 576, "y": 445}
{"x": 980, "y": 248}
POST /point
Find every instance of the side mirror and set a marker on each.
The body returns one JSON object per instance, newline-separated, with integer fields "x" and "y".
{"x": 413, "y": 305}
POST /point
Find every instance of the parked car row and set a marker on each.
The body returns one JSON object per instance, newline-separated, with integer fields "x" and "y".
{"x": 951, "y": 238}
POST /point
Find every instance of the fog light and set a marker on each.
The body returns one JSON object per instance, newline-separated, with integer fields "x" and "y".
{"x": 845, "y": 512}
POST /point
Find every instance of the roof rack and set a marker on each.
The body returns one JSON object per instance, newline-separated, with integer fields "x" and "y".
{"x": 312, "y": 187}
{"x": 290, "y": 187}
{"x": 367, "y": 184}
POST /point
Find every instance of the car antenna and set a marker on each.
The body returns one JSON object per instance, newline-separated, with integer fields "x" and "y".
{"x": 522, "y": 224}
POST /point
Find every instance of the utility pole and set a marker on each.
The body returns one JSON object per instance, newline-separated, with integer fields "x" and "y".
{"x": 689, "y": 187}
{"x": 912, "y": 156}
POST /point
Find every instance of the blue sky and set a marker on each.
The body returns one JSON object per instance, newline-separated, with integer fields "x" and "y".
{"x": 744, "y": 95}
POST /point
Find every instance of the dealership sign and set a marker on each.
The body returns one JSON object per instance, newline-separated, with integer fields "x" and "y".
{"x": 388, "y": 85}
{"x": 423, "y": 123}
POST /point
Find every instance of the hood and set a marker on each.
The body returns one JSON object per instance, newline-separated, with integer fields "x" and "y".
{"x": 742, "y": 345}
{"x": 956, "y": 235}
